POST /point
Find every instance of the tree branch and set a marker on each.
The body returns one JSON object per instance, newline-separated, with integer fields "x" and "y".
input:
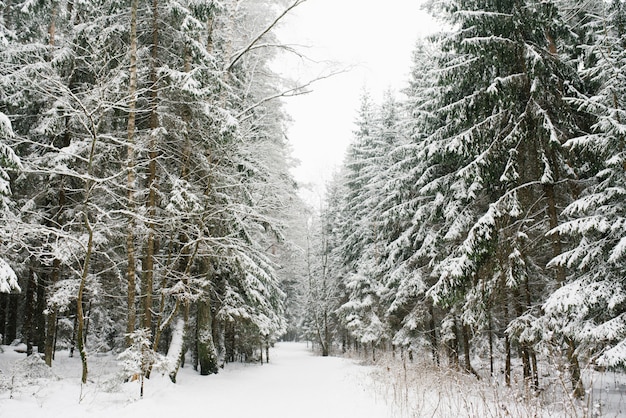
{"x": 295, "y": 91}
{"x": 252, "y": 43}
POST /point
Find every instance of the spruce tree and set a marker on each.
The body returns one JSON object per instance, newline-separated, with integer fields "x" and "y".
{"x": 502, "y": 169}
{"x": 590, "y": 307}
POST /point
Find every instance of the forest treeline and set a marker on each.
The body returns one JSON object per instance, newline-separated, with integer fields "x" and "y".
{"x": 481, "y": 213}
{"x": 145, "y": 179}
{"x": 147, "y": 205}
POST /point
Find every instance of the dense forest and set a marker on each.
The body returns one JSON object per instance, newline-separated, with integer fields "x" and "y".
{"x": 480, "y": 214}
{"x": 148, "y": 208}
{"x": 146, "y": 186}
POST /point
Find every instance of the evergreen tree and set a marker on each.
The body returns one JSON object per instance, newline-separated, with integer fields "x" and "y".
{"x": 589, "y": 308}
{"x": 8, "y": 159}
{"x": 501, "y": 166}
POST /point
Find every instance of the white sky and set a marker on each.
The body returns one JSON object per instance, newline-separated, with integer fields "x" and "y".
{"x": 374, "y": 38}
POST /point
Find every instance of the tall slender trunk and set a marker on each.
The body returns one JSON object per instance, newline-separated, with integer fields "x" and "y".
{"x": 40, "y": 317}
{"x": 148, "y": 261}
{"x": 432, "y": 331}
{"x": 507, "y": 345}
{"x": 532, "y": 357}
{"x": 52, "y": 316}
{"x": 207, "y": 356}
{"x": 453, "y": 347}
{"x": 490, "y": 331}
{"x": 466, "y": 351}
{"x": 572, "y": 358}
{"x": 130, "y": 181}
{"x": 52, "y": 27}
{"x": 80, "y": 316}
{"x": 29, "y": 309}
{"x": 3, "y": 317}
{"x": 89, "y": 183}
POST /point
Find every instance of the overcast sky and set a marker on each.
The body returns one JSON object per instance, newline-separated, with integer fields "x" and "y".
{"x": 373, "y": 38}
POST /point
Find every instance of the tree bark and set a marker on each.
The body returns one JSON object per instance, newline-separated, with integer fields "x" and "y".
{"x": 3, "y": 317}
{"x": 29, "y": 310}
{"x": 577, "y": 383}
{"x": 40, "y": 318}
{"x": 148, "y": 261}
{"x": 432, "y": 331}
{"x": 466, "y": 351}
{"x": 51, "y": 326}
{"x": 507, "y": 345}
{"x": 207, "y": 357}
{"x": 130, "y": 180}
{"x": 80, "y": 316}
{"x": 52, "y": 26}
{"x": 177, "y": 350}
{"x": 12, "y": 315}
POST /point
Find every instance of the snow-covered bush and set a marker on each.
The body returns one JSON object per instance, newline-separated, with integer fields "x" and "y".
{"x": 139, "y": 359}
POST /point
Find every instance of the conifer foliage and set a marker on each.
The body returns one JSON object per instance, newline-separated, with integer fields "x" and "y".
{"x": 486, "y": 219}
{"x": 145, "y": 151}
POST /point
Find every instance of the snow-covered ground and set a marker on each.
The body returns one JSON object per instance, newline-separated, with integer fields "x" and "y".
{"x": 296, "y": 383}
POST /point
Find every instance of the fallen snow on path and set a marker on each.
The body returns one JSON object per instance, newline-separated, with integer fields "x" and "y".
{"x": 296, "y": 383}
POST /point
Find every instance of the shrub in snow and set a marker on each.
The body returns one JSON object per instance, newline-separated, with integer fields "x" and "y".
{"x": 138, "y": 360}
{"x": 26, "y": 373}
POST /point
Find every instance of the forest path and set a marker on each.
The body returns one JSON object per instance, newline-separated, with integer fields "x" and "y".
{"x": 295, "y": 384}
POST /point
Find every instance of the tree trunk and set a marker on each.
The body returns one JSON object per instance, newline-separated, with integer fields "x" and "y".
{"x": 207, "y": 357}
{"x": 52, "y": 26}
{"x": 51, "y": 327}
{"x": 507, "y": 344}
{"x": 534, "y": 370}
{"x": 507, "y": 361}
{"x": 29, "y": 310}
{"x": 466, "y": 351}
{"x": 574, "y": 367}
{"x": 148, "y": 261}
{"x": 176, "y": 350}
{"x": 218, "y": 337}
{"x": 327, "y": 339}
{"x": 12, "y": 315}
{"x": 80, "y": 316}
{"x": 490, "y": 331}
{"x": 3, "y": 317}
{"x": 453, "y": 347}
{"x": 432, "y": 331}
{"x": 130, "y": 180}
{"x": 40, "y": 318}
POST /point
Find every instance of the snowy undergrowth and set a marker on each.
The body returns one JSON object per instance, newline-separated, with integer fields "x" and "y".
{"x": 419, "y": 389}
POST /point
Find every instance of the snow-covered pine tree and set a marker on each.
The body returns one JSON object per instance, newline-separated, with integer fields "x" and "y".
{"x": 63, "y": 91}
{"x": 408, "y": 215}
{"x": 590, "y": 307}
{"x": 500, "y": 165}
{"x": 362, "y": 249}
{"x": 183, "y": 138}
{"x": 8, "y": 160}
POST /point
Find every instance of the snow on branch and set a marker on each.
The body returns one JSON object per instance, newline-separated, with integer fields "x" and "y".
{"x": 8, "y": 278}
